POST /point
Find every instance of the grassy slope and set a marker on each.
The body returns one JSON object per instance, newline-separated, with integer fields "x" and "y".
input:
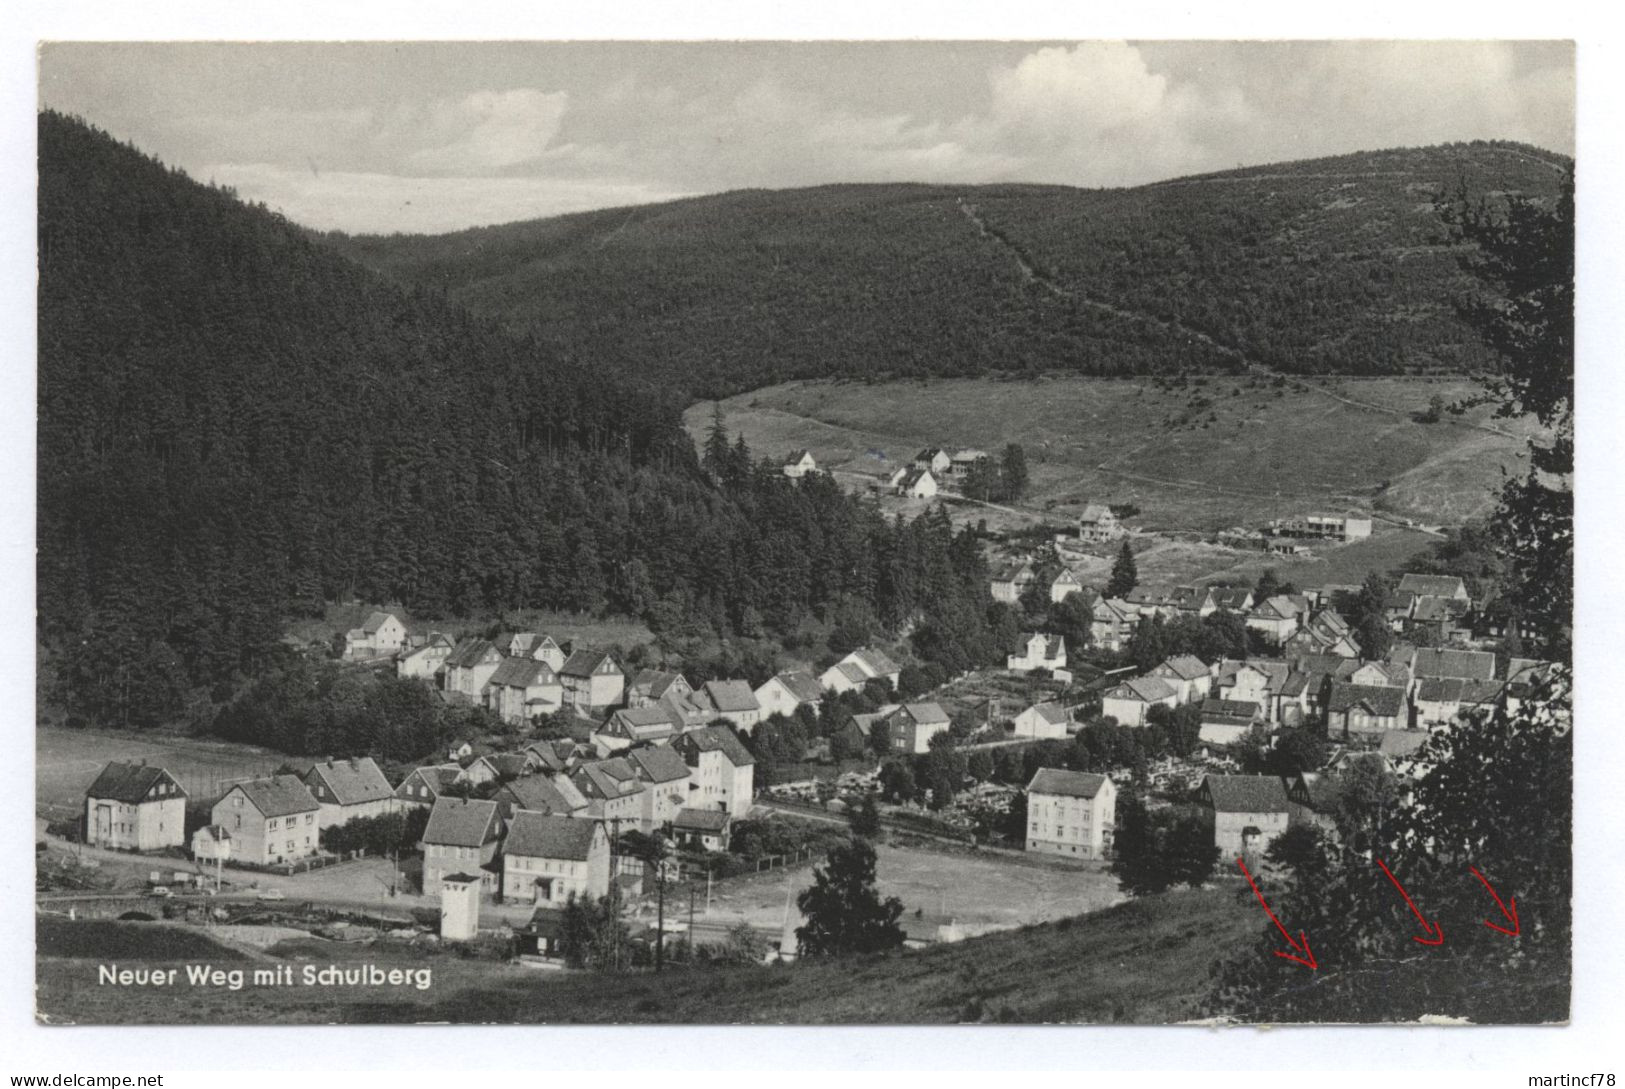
{"x": 1141, "y": 962}
{"x": 1254, "y": 451}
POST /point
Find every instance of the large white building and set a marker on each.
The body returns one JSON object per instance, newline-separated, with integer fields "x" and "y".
{"x": 1071, "y": 813}
{"x": 135, "y": 807}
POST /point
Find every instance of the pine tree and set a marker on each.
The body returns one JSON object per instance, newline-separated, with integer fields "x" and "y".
{"x": 1125, "y": 576}
{"x": 844, "y": 912}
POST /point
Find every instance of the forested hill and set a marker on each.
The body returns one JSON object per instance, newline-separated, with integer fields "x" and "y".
{"x": 1326, "y": 266}
{"x": 236, "y": 423}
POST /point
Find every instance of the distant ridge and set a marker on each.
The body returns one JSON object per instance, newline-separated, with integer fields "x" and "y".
{"x": 1332, "y": 265}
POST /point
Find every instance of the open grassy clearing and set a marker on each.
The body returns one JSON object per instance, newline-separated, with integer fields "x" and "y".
{"x": 1141, "y": 962}
{"x": 1216, "y": 452}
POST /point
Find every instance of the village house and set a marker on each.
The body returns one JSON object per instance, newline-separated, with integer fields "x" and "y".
{"x": 211, "y": 843}
{"x": 1276, "y": 618}
{"x": 635, "y": 726}
{"x": 799, "y": 464}
{"x": 933, "y": 459}
{"x": 858, "y": 730}
{"x": 523, "y": 690}
{"x": 462, "y": 837}
{"x": 271, "y": 820}
{"x": 1325, "y": 633}
{"x": 858, "y": 668}
{"x": 546, "y": 859}
{"x": 135, "y": 807}
{"x": 783, "y": 693}
{"x": 1098, "y": 524}
{"x": 348, "y": 790}
{"x": 1356, "y": 710}
{"x": 1044, "y": 721}
{"x": 1246, "y": 812}
{"x": 733, "y": 701}
{"x": 914, "y": 483}
{"x": 423, "y": 657}
{"x": 1255, "y": 680}
{"x": 723, "y": 770}
{"x": 541, "y": 793}
{"x": 1467, "y": 665}
{"x": 1445, "y": 586}
{"x": 1312, "y": 799}
{"x": 652, "y": 685}
{"x": 380, "y": 635}
{"x": 1225, "y": 722}
{"x": 592, "y": 681}
{"x": 665, "y": 781}
{"x": 1186, "y": 674}
{"x": 1113, "y": 623}
{"x": 1009, "y": 582}
{"x": 613, "y": 791}
{"x": 1037, "y": 650}
{"x": 494, "y": 767}
{"x": 469, "y": 666}
{"x": 1071, "y": 813}
{"x": 424, "y": 785}
{"x": 1064, "y": 584}
{"x": 1440, "y": 700}
{"x": 1381, "y": 675}
{"x": 556, "y": 755}
{"x": 1130, "y": 702}
{"x": 962, "y": 462}
{"x": 1233, "y": 599}
{"x": 913, "y": 725}
{"x": 701, "y": 829}
{"x": 549, "y": 652}
{"x": 1330, "y": 527}
{"x": 1197, "y": 601}
{"x": 1298, "y": 700}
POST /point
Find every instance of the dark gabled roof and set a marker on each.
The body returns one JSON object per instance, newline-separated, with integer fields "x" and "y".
{"x": 1440, "y": 689}
{"x": 914, "y": 475}
{"x": 654, "y": 682}
{"x": 613, "y": 778}
{"x": 1382, "y": 700}
{"x": 796, "y": 456}
{"x": 542, "y": 794}
{"x": 1187, "y": 667}
{"x": 877, "y": 661}
{"x": 1432, "y": 585}
{"x": 547, "y": 754}
{"x": 1072, "y": 784}
{"x": 1324, "y": 665}
{"x": 462, "y": 822}
{"x": 584, "y": 663}
{"x": 1231, "y": 708}
{"x": 638, "y": 723}
{"x": 1296, "y": 684}
{"x": 801, "y": 684}
{"x": 731, "y": 696}
{"x": 375, "y": 621}
{"x": 701, "y": 820}
{"x": 129, "y": 783}
{"x": 658, "y": 763}
{"x": 926, "y": 714}
{"x": 279, "y": 796}
{"x": 1319, "y": 792}
{"x": 1050, "y": 712}
{"x": 546, "y": 835}
{"x": 1144, "y": 689}
{"x": 469, "y": 653}
{"x": 1231, "y": 597}
{"x": 714, "y": 739}
{"x": 522, "y": 673}
{"x": 1245, "y": 793}
{"x": 437, "y": 778}
{"x": 353, "y": 781}
{"x": 1476, "y": 665}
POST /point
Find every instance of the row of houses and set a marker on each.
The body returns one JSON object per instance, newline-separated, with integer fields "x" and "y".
{"x": 909, "y": 726}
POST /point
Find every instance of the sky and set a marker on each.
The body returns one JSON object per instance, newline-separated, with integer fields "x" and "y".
{"x": 428, "y": 137}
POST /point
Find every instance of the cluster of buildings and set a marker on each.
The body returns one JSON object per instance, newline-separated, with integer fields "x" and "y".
{"x": 1287, "y": 536}
{"x": 935, "y": 470}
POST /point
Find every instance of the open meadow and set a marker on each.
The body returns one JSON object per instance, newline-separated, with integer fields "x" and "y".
{"x": 1202, "y": 453}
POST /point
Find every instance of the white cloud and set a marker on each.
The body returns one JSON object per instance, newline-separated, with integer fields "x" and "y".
{"x": 487, "y": 130}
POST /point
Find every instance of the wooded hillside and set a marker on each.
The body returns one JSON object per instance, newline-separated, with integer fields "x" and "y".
{"x": 1334, "y": 265}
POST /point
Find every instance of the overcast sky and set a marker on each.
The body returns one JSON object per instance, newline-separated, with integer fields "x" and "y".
{"x": 431, "y": 137}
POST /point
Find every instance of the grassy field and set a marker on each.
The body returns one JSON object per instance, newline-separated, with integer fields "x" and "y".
{"x": 1141, "y": 962}
{"x": 67, "y": 761}
{"x": 1217, "y": 452}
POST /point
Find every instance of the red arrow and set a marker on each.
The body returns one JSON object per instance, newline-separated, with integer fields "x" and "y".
{"x": 1435, "y": 934}
{"x": 1301, "y": 945}
{"x": 1508, "y": 909}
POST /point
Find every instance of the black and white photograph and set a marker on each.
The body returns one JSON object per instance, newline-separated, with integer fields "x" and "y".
{"x": 821, "y": 532}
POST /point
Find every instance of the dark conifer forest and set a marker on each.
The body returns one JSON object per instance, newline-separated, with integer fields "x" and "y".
{"x": 237, "y": 424}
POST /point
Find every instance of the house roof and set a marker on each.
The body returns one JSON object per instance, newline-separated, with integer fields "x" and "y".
{"x": 1246, "y": 793}
{"x": 852, "y": 672}
{"x": 1324, "y": 665}
{"x": 1429, "y": 609}
{"x": 1432, "y": 585}
{"x": 1072, "y": 784}
{"x": 612, "y": 778}
{"x": 353, "y": 781}
{"x": 543, "y": 794}
{"x": 1381, "y": 700}
{"x": 1144, "y": 689}
{"x": 1051, "y": 713}
{"x": 654, "y": 682}
{"x": 926, "y": 714}
{"x": 1279, "y": 607}
{"x": 583, "y": 663}
{"x": 438, "y": 777}
{"x": 1320, "y": 791}
{"x": 547, "y": 754}
{"x": 523, "y": 673}
{"x": 877, "y": 661}
{"x": 546, "y": 835}
{"x": 801, "y": 684}
{"x": 1187, "y": 667}
{"x": 1467, "y": 664}
{"x": 469, "y": 653}
{"x": 1397, "y": 675}
{"x": 715, "y": 739}
{"x": 1011, "y": 572}
{"x": 375, "y": 621}
{"x": 279, "y": 796}
{"x": 643, "y": 723}
{"x": 461, "y": 822}
{"x": 128, "y": 783}
{"x": 1231, "y": 708}
{"x": 914, "y": 475}
{"x": 1096, "y": 512}
{"x": 1440, "y": 689}
{"x": 700, "y": 820}
{"x": 658, "y": 763}
{"x": 1401, "y": 743}
{"x": 731, "y": 696}
{"x": 1232, "y": 597}
{"x": 796, "y": 457}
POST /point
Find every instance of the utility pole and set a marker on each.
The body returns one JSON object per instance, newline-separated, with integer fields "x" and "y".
{"x": 660, "y": 906}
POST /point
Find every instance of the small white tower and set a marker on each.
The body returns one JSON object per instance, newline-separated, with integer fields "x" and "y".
{"x": 459, "y": 907}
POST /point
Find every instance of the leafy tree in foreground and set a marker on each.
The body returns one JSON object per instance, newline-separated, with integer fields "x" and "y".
{"x": 844, "y": 912}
